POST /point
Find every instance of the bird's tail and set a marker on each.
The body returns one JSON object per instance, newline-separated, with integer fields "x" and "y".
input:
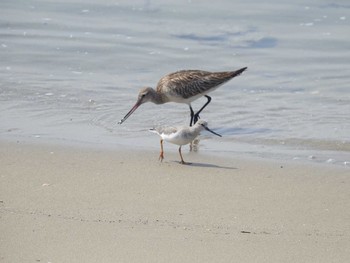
{"x": 238, "y": 72}
{"x": 153, "y": 130}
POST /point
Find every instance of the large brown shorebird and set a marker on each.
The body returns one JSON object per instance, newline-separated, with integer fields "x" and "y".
{"x": 184, "y": 86}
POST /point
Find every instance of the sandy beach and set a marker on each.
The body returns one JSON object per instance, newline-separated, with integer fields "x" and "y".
{"x": 71, "y": 204}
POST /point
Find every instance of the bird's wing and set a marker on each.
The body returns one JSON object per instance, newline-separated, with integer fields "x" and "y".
{"x": 189, "y": 83}
{"x": 164, "y": 130}
{"x": 169, "y": 130}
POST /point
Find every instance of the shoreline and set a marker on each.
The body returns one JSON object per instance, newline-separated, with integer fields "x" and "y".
{"x": 71, "y": 204}
{"x": 209, "y": 148}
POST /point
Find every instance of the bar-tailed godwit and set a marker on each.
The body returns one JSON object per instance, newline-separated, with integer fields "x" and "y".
{"x": 184, "y": 86}
{"x": 180, "y": 135}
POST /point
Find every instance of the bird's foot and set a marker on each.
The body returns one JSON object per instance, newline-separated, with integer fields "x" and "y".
{"x": 185, "y": 163}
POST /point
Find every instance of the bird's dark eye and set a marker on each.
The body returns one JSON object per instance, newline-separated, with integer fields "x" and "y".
{"x": 143, "y": 95}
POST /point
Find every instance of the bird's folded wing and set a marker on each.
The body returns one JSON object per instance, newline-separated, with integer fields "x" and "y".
{"x": 164, "y": 130}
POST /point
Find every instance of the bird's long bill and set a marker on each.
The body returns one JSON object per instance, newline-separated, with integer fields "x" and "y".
{"x": 209, "y": 130}
{"x": 138, "y": 103}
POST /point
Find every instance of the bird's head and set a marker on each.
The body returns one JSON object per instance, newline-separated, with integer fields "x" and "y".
{"x": 145, "y": 95}
{"x": 204, "y": 125}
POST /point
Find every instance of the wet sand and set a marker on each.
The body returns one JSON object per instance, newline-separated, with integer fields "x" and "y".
{"x": 71, "y": 204}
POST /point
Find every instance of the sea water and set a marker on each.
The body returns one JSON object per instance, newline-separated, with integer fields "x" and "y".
{"x": 71, "y": 69}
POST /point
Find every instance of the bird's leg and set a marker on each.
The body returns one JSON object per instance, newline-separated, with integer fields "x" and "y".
{"x": 191, "y": 123}
{"x": 161, "y": 155}
{"x": 182, "y": 159}
{"x": 196, "y": 116}
{"x": 192, "y": 115}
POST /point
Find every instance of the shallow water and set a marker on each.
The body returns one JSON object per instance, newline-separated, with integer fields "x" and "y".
{"x": 71, "y": 70}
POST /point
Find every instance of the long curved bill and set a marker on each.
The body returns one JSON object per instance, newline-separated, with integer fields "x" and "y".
{"x": 209, "y": 130}
{"x": 138, "y": 103}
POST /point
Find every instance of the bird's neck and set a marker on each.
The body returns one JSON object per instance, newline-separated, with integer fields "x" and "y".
{"x": 196, "y": 128}
{"x": 158, "y": 98}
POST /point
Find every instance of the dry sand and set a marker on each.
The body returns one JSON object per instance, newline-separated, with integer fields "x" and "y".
{"x": 66, "y": 204}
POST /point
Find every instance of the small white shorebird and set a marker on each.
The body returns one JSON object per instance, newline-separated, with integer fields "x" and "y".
{"x": 180, "y": 135}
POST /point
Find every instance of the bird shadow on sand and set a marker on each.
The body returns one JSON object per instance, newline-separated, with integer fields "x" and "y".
{"x": 206, "y": 165}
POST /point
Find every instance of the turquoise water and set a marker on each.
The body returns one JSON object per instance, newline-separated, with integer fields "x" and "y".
{"x": 70, "y": 70}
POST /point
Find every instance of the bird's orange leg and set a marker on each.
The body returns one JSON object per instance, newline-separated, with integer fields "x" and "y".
{"x": 161, "y": 155}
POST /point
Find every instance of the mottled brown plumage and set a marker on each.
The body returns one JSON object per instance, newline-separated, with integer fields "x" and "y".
{"x": 184, "y": 86}
{"x": 189, "y": 83}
